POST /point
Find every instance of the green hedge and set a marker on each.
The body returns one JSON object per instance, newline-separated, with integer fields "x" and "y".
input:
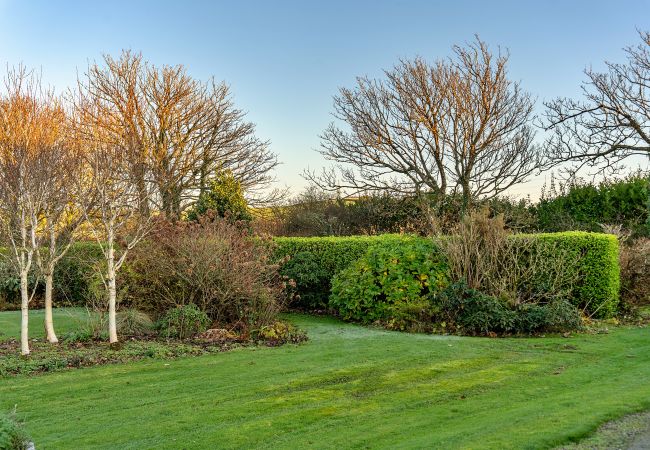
{"x": 593, "y": 255}
{"x": 317, "y": 260}
{"x": 597, "y": 265}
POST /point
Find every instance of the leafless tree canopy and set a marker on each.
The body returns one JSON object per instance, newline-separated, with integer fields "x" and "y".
{"x": 611, "y": 122}
{"x": 456, "y": 126}
{"x": 175, "y": 130}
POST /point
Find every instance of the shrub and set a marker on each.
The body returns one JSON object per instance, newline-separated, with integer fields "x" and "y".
{"x": 312, "y": 280}
{"x": 394, "y": 275}
{"x": 582, "y": 206}
{"x": 512, "y": 268}
{"x": 539, "y": 268}
{"x": 635, "y": 274}
{"x": 131, "y": 322}
{"x": 225, "y": 197}
{"x": 12, "y": 435}
{"x": 279, "y": 333}
{"x": 183, "y": 322}
{"x": 94, "y": 327}
{"x": 466, "y": 310}
{"x": 212, "y": 263}
{"x": 329, "y": 254}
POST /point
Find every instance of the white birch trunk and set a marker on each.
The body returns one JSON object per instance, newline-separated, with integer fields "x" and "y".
{"x": 110, "y": 279}
{"x": 49, "y": 321}
{"x": 24, "y": 310}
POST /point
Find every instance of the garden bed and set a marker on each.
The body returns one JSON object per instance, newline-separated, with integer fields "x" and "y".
{"x": 46, "y": 357}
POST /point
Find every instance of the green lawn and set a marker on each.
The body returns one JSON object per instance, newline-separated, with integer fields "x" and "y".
{"x": 65, "y": 320}
{"x": 349, "y": 387}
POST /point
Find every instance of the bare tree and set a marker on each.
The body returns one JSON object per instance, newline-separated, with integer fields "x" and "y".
{"x": 176, "y": 130}
{"x": 62, "y": 167}
{"x": 29, "y": 122}
{"x": 458, "y": 125}
{"x": 612, "y": 121}
{"x": 114, "y": 213}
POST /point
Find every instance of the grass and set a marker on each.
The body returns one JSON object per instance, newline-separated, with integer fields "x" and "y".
{"x": 632, "y": 431}
{"x": 349, "y": 386}
{"x": 65, "y": 320}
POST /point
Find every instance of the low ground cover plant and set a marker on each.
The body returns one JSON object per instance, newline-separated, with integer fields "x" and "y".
{"x": 12, "y": 434}
{"x": 80, "y": 348}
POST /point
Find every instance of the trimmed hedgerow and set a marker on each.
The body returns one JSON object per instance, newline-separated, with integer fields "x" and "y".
{"x": 316, "y": 260}
{"x": 329, "y": 255}
{"x": 594, "y": 257}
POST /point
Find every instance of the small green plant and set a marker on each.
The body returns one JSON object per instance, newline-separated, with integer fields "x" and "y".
{"x": 12, "y": 435}
{"x": 183, "y": 322}
{"x": 131, "y": 322}
{"x": 279, "y": 333}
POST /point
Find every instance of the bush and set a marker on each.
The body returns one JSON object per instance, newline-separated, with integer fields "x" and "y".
{"x": 469, "y": 311}
{"x": 635, "y": 274}
{"x": 329, "y": 254}
{"x": 212, "y": 263}
{"x": 583, "y": 206}
{"x": 183, "y": 322}
{"x": 396, "y": 274}
{"x": 311, "y": 280}
{"x": 535, "y": 268}
{"x": 279, "y": 333}
{"x": 12, "y": 435}
{"x": 131, "y": 322}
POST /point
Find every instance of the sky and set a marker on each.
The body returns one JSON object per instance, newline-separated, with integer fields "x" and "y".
{"x": 284, "y": 60}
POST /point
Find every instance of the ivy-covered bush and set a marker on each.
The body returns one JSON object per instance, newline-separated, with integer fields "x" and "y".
{"x": 393, "y": 276}
{"x": 224, "y": 196}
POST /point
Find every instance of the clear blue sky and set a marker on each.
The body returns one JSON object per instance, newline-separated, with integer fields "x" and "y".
{"x": 285, "y": 59}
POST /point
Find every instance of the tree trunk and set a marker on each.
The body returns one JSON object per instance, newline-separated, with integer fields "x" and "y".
{"x": 24, "y": 309}
{"x": 112, "y": 322}
{"x": 49, "y": 322}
